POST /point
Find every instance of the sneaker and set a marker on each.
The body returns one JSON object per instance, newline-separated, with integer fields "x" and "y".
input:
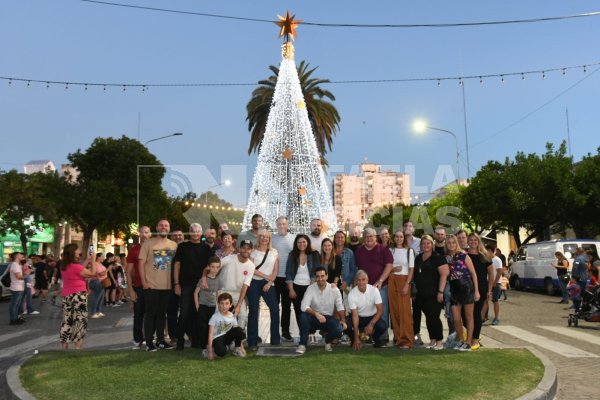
{"x": 150, "y": 348}
{"x": 458, "y": 346}
{"x": 328, "y": 347}
{"x": 465, "y": 347}
{"x": 101, "y": 314}
{"x": 380, "y": 344}
{"x": 301, "y": 349}
{"x": 34, "y": 313}
{"x": 287, "y": 337}
{"x": 165, "y": 346}
{"x": 96, "y": 316}
{"x": 495, "y": 321}
{"x": 205, "y": 353}
{"x": 475, "y": 346}
{"x": 418, "y": 340}
{"x": 312, "y": 339}
{"x": 345, "y": 339}
{"x": 239, "y": 352}
{"x": 437, "y": 347}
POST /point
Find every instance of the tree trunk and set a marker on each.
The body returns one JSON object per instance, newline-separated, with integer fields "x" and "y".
{"x": 23, "y": 238}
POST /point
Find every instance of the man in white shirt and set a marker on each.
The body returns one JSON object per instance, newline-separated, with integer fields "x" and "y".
{"x": 17, "y": 288}
{"x": 235, "y": 278}
{"x": 366, "y": 309}
{"x": 316, "y": 238}
{"x": 495, "y": 289}
{"x": 413, "y": 242}
{"x": 318, "y": 305}
{"x": 283, "y": 242}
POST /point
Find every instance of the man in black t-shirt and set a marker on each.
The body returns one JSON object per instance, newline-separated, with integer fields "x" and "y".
{"x": 190, "y": 260}
{"x": 41, "y": 276}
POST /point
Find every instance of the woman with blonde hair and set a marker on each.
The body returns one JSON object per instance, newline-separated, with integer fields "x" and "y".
{"x": 464, "y": 291}
{"x": 266, "y": 261}
{"x": 482, "y": 262}
{"x": 399, "y": 291}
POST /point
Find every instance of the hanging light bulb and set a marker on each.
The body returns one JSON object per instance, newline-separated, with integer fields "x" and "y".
{"x": 10, "y": 82}
{"x": 585, "y": 69}
{"x": 481, "y": 80}
{"x": 439, "y": 83}
{"x": 85, "y": 87}
{"x": 104, "y": 88}
{"x": 543, "y": 74}
{"x": 124, "y": 87}
{"x": 564, "y": 71}
{"x": 47, "y": 85}
{"x": 28, "y": 83}
{"x": 502, "y": 76}
{"x": 66, "y": 86}
{"x": 522, "y": 76}
{"x": 460, "y": 82}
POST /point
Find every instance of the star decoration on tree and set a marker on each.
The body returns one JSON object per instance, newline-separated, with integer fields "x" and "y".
{"x": 287, "y": 154}
{"x": 301, "y": 104}
{"x": 288, "y": 26}
{"x": 302, "y": 191}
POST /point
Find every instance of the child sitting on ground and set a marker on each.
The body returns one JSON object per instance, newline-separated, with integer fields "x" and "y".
{"x": 206, "y": 301}
{"x": 574, "y": 293}
{"x": 223, "y": 329}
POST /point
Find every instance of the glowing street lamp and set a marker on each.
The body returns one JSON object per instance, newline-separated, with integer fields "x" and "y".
{"x": 421, "y": 126}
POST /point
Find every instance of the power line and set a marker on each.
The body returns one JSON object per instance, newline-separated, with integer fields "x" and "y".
{"x": 348, "y": 25}
{"x": 145, "y": 86}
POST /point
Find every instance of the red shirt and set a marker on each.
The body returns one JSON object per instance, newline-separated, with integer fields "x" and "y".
{"x": 132, "y": 258}
{"x": 373, "y": 261}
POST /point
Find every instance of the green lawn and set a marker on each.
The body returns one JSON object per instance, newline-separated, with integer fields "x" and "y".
{"x": 371, "y": 374}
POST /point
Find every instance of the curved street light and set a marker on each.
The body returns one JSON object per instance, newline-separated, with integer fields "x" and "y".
{"x": 163, "y": 137}
{"x": 421, "y": 126}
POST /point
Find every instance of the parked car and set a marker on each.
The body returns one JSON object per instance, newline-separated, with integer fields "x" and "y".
{"x": 4, "y": 290}
{"x": 533, "y": 265}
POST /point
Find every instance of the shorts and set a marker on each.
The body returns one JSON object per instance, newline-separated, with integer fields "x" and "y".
{"x": 41, "y": 284}
{"x": 462, "y": 292}
{"x": 496, "y": 291}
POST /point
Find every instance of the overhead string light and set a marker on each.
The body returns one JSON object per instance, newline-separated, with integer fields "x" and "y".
{"x": 143, "y": 87}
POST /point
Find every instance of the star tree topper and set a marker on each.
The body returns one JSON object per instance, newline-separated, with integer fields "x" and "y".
{"x": 288, "y": 26}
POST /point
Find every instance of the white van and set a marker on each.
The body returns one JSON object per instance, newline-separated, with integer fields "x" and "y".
{"x": 532, "y": 267}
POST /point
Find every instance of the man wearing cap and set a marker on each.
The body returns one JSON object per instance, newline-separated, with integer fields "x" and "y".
{"x": 235, "y": 278}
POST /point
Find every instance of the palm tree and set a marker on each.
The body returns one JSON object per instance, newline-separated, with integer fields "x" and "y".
{"x": 322, "y": 114}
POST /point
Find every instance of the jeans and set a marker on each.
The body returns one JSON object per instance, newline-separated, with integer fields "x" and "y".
{"x": 139, "y": 308}
{"x": 16, "y": 299}
{"x": 97, "y": 296}
{"x": 386, "y": 312}
{"x": 448, "y": 309}
{"x": 255, "y": 292}
{"x": 332, "y": 326}
{"x": 378, "y": 330}
{"x": 27, "y": 301}
{"x": 562, "y": 283}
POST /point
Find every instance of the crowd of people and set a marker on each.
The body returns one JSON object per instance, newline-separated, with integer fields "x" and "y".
{"x": 208, "y": 288}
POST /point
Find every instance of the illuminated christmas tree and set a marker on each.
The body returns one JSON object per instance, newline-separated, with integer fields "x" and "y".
{"x": 289, "y": 179}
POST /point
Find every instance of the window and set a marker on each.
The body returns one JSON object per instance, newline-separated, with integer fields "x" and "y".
{"x": 522, "y": 254}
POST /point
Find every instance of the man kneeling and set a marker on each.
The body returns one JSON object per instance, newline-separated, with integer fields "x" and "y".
{"x": 366, "y": 309}
{"x": 318, "y": 305}
{"x": 223, "y": 329}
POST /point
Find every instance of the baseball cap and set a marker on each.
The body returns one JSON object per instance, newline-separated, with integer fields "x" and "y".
{"x": 246, "y": 242}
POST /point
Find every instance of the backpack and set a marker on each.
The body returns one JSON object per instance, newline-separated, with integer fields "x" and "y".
{"x": 6, "y": 279}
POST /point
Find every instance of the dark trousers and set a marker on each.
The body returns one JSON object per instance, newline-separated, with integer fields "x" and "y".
{"x": 416, "y": 314}
{"x": 477, "y": 320}
{"x": 309, "y": 322}
{"x": 431, "y": 308}
{"x": 283, "y": 297}
{"x": 172, "y": 314}
{"x": 378, "y": 330}
{"x": 255, "y": 292}
{"x": 157, "y": 302}
{"x": 204, "y": 314}
{"x": 300, "y": 290}
{"x": 139, "y": 308}
{"x": 220, "y": 344}
{"x": 187, "y": 314}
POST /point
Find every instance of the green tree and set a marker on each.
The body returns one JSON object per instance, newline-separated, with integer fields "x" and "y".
{"x": 25, "y": 204}
{"x": 322, "y": 114}
{"x": 531, "y": 192}
{"x": 107, "y": 182}
{"x": 583, "y": 214}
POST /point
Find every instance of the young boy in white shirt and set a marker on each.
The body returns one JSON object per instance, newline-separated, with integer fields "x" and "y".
{"x": 223, "y": 329}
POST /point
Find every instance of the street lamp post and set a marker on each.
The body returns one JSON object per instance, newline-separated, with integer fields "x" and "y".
{"x": 421, "y": 126}
{"x": 226, "y": 182}
{"x": 163, "y": 137}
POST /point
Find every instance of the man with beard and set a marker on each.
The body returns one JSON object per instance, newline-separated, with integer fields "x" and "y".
{"x": 316, "y": 226}
{"x": 211, "y": 240}
{"x": 354, "y": 239}
{"x": 136, "y": 290}
{"x": 252, "y": 234}
{"x": 155, "y": 262}
{"x": 439, "y": 236}
{"x": 190, "y": 260}
{"x": 462, "y": 238}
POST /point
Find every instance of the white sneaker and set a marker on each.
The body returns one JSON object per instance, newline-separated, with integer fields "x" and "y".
{"x": 96, "y": 316}
{"x": 34, "y": 312}
{"x": 101, "y": 314}
{"x": 328, "y": 347}
{"x": 240, "y": 352}
{"x": 205, "y": 353}
{"x": 301, "y": 349}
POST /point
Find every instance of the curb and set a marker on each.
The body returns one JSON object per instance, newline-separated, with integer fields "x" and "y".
{"x": 546, "y": 389}
{"x": 14, "y": 383}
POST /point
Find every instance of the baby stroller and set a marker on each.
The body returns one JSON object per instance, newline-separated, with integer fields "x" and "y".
{"x": 590, "y": 307}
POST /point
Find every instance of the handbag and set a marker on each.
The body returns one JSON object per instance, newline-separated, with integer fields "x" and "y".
{"x": 263, "y": 260}
{"x": 106, "y": 283}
